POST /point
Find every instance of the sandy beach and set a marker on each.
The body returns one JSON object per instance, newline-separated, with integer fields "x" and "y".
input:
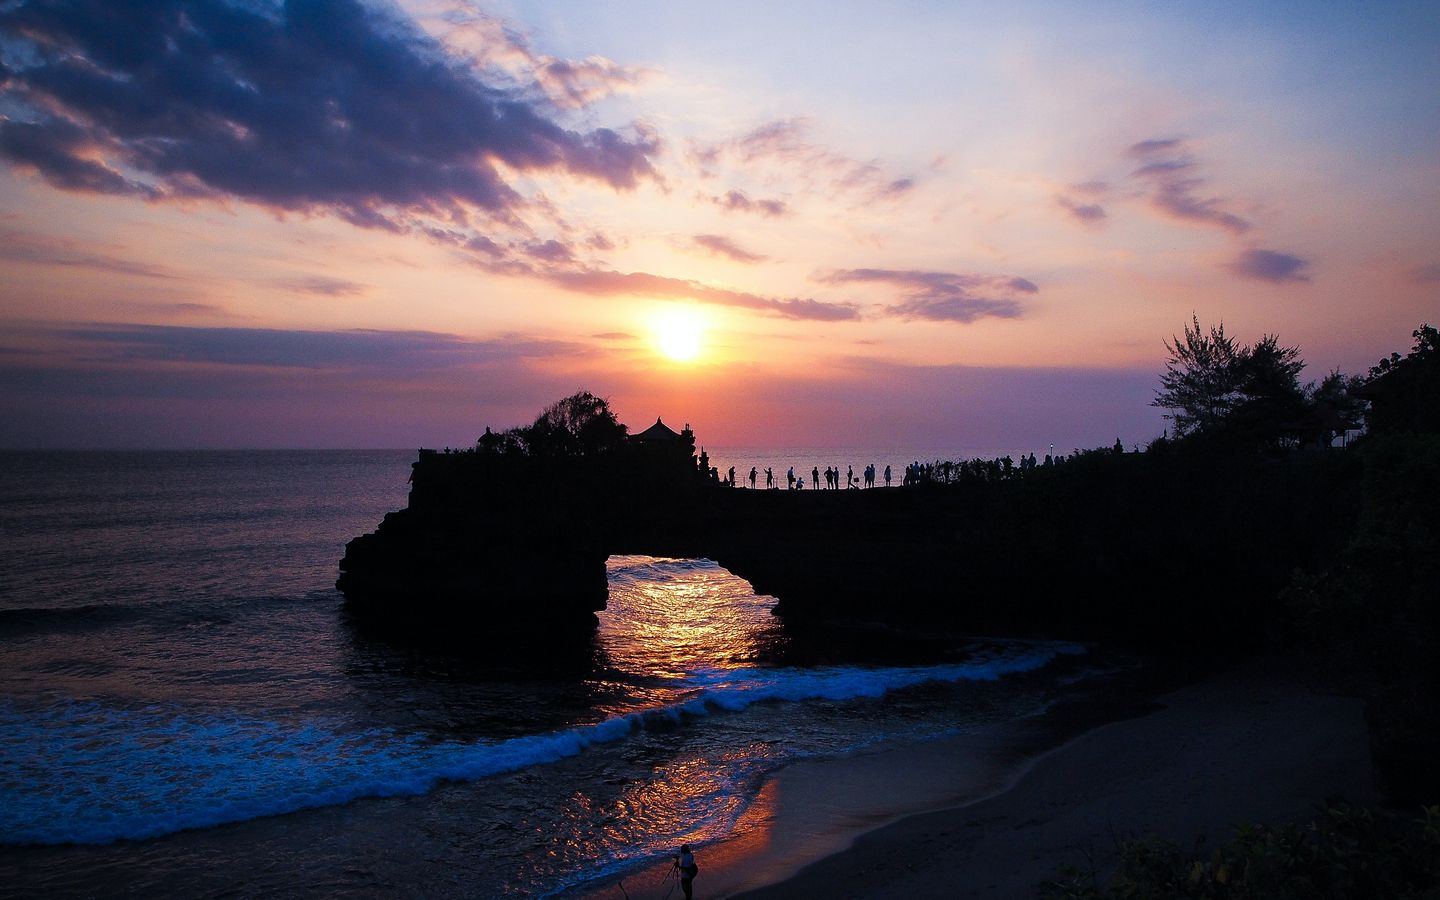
{"x": 1254, "y": 744}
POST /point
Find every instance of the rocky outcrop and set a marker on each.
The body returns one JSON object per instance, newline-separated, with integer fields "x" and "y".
{"x": 493, "y": 543}
{"x": 1131, "y": 546}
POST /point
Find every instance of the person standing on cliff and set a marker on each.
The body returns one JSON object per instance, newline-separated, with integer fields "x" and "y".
{"x": 769, "y": 479}
{"x": 685, "y": 862}
{"x": 815, "y": 478}
{"x": 753, "y": 473}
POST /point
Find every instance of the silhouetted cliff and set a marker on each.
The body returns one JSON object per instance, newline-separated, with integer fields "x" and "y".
{"x": 1158, "y": 545}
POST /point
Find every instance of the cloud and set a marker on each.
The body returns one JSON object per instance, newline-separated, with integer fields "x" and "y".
{"x": 1149, "y": 148}
{"x": 943, "y": 296}
{"x": 551, "y": 251}
{"x": 47, "y": 250}
{"x": 577, "y": 83}
{"x": 350, "y": 350}
{"x": 1270, "y": 265}
{"x": 57, "y": 149}
{"x": 1169, "y": 170}
{"x": 500, "y": 51}
{"x": 614, "y": 336}
{"x": 324, "y": 286}
{"x": 787, "y": 143}
{"x": 600, "y": 282}
{"x": 553, "y": 263}
{"x": 719, "y": 245}
{"x": 323, "y": 105}
{"x": 1426, "y": 274}
{"x": 738, "y": 201}
{"x": 141, "y": 385}
{"x": 1088, "y": 213}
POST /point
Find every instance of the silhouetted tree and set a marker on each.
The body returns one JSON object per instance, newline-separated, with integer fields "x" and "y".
{"x": 1246, "y": 396}
{"x": 579, "y": 425}
{"x": 1199, "y": 382}
{"x": 1405, "y": 391}
{"x": 1269, "y": 404}
{"x": 1336, "y": 402}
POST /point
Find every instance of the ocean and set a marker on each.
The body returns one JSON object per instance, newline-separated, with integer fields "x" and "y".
{"x": 186, "y": 709}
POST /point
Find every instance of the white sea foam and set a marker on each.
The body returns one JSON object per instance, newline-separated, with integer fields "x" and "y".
{"x": 85, "y": 772}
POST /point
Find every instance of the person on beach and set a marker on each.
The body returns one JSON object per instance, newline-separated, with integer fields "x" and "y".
{"x": 685, "y": 862}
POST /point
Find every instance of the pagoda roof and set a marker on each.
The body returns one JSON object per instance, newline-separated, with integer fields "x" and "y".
{"x": 657, "y": 432}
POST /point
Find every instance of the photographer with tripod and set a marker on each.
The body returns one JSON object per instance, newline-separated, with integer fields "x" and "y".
{"x": 686, "y": 869}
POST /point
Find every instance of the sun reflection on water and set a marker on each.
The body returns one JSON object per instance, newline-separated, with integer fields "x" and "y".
{"x": 669, "y": 618}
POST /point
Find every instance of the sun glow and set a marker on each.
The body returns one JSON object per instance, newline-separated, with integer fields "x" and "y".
{"x": 679, "y": 334}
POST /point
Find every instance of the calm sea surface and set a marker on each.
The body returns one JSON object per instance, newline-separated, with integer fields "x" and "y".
{"x": 186, "y": 709}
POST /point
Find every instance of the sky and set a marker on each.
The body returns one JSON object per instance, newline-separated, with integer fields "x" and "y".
{"x": 335, "y": 223}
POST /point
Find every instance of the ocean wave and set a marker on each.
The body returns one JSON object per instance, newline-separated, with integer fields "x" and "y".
{"x": 86, "y": 772}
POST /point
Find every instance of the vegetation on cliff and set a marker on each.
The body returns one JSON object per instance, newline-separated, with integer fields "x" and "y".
{"x": 1342, "y": 852}
{"x": 1249, "y": 398}
{"x": 579, "y": 425}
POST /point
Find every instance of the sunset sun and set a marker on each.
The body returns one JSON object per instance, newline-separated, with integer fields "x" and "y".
{"x": 679, "y": 334}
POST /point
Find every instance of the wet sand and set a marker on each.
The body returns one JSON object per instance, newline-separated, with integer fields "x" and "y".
{"x": 1255, "y": 744}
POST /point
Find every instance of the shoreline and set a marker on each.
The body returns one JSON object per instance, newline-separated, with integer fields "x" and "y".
{"x": 1252, "y": 743}
{"x": 813, "y": 809}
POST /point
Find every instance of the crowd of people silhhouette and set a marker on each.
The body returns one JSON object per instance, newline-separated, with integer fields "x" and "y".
{"x": 915, "y": 473}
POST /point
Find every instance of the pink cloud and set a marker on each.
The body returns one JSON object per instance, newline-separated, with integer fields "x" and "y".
{"x": 600, "y": 282}
{"x": 787, "y": 143}
{"x": 719, "y": 245}
{"x": 738, "y": 201}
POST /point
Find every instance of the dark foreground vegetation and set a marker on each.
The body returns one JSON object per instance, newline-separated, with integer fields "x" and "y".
{"x": 1368, "y": 609}
{"x": 1342, "y": 853}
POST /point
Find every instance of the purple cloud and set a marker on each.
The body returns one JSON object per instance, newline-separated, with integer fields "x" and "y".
{"x": 719, "y": 245}
{"x": 269, "y": 347}
{"x": 1149, "y": 148}
{"x": 943, "y": 296}
{"x": 1088, "y": 213}
{"x": 1168, "y": 169}
{"x": 323, "y": 285}
{"x": 46, "y": 250}
{"x": 578, "y": 83}
{"x": 1427, "y": 274}
{"x": 551, "y": 251}
{"x": 317, "y": 105}
{"x": 737, "y": 201}
{"x": 145, "y": 386}
{"x": 1270, "y": 265}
